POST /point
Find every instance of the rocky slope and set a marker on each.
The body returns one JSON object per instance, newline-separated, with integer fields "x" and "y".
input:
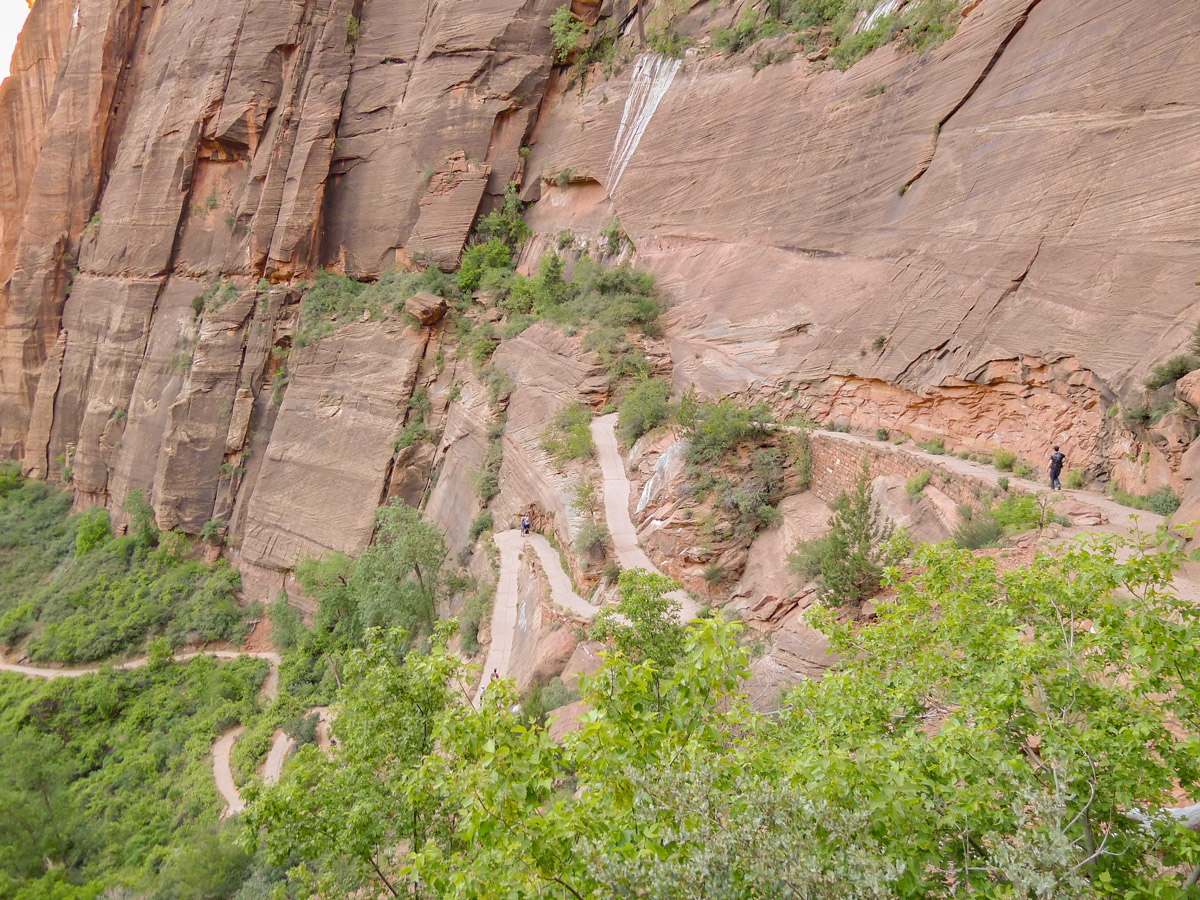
{"x": 991, "y": 243}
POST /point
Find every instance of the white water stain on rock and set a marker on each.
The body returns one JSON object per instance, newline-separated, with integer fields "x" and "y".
{"x": 666, "y": 468}
{"x": 886, "y": 8}
{"x": 652, "y": 77}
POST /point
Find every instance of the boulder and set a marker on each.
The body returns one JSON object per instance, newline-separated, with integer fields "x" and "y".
{"x": 426, "y": 308}
{"x": 1187, "y": 390}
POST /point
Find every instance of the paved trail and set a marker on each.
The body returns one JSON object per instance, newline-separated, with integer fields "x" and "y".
{"x": 624, "y": 535}
{"x": 616, "y": 509}
{"x": 504, "y": 607}
{"x": 1118, "y": 515}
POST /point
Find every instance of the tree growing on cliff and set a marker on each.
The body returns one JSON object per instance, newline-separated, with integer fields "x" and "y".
{"x": 988, "y": 735}
{"x": 848, "y": 562}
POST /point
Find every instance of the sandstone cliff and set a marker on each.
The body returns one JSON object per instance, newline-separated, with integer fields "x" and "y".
{"x": 992, "y": 242}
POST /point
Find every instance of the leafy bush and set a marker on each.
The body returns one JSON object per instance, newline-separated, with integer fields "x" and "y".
{"x": 478, "y": 258}
{"x": 486, "y": 480}
{"x": 881, "y": 434}
{"x": 848, "y": 562}
{"x": 568, "y": 435}
{"x": 480, "y": 524}
{"x": 302, "y": 728}
{"x": 717, "y": 428}
{"x": 644, "y": 406}
{"x": 977, "y": 532}
{"x": 1137, "y": 415}
{"x": 1023, "y": 469}
{"x": 1004, "y": 459}
{"x": 566, "y": 31}
{"x": 915, "y": 485}
{"x": 1002, "y": 483}
{"x": 1163, "y": 501}
{"x": 592, "y": 539}
{"x": 1171, "y": 371}
{"x": 93, "y": 529}
{"x": 410, "y": 433}
{"x": 936, "y": 446}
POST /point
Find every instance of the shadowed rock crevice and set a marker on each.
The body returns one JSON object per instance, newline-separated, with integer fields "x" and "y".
{"x": 924, "y": 165}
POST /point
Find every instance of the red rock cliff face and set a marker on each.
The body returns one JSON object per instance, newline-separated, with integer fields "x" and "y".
{"x": 991, "y": 243}
{"x": 157, "y": 147}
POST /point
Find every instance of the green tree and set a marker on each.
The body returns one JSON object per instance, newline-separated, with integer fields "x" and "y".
{"x": 92, "y": 531}
{"x": 645, "y": 624}
{"x": 349, "y": 814}
{"x": 992, "y": 735}
{"x": 848, "y": 562}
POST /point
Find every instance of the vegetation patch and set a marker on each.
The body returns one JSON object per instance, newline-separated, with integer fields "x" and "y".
{"x": 920, "y": 25}
{"x": 568, "y": 435}
{"x": 849, "y": 561}
{"x": 75, "y": 593}
{"x": 1163, "y": 501}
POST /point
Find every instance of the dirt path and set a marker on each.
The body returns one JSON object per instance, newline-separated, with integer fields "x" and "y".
{"x": 1119, "y": 516}
{"x": 269, "y": 689}
{"x": 222, "y": 748}
{"x": 616, "y": 509}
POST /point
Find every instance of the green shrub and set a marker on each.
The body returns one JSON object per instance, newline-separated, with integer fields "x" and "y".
{"x": 977, "y": 532}
{"x": 848, "y": 562}
{"x": 645, "y": 405}
{"x": 302, "y": 728}
{"x": 409, "y": 434}
{"x": 505, "y": 223}
{"x": 1074, "y": 479}
{"x": 915, "y": 485}
{"x": 480, "y": 524}
{"x": 716, "y": 428}
{"x": 568, "y": 435}
{"x": 1163, "y": 501}
{"x": 93, "y": 530}
{"x": 1022, "y": 469}
{"x": 211, "y": 530}
{"x": 1004, "y": 460}
{"x": 881, "y": 434}
{"x": 936, "y": 446}
{"x": 566, "y": 31}
{"x": 1171, "y": 371}
{"x": 486, "y": 480}
{"x": 591, "y": 540}
{"x": 1137, "y": 415}
{"x": 478, "y": 258}
{"x": 1002, "y": 483}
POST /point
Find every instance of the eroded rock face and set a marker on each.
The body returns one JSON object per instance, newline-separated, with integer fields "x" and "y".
{"x": 325, "y": 468}
{"x": 165, "y": 150}
{"x": 945, "y": 228}
{"x": 990, "y": 244}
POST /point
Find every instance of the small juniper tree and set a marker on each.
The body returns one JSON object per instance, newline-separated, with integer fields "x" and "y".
{"x": 848, "y": 562}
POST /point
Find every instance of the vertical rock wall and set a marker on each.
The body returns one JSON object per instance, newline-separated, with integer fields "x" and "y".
{"x": 170, "y": 169}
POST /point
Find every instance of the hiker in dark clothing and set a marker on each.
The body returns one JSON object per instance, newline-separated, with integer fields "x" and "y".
{"x": 524, "y": 524}
{"x": 1056, "y": 466}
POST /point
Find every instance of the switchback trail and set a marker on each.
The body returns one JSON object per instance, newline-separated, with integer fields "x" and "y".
{"x": 222, "y": 748}
{"x": 504, "y": 607}
{"x": 616, "y": 509}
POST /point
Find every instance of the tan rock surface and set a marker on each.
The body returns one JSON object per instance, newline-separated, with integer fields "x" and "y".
{"x": 325, "y": 467}
{"x": 426, "y": 308}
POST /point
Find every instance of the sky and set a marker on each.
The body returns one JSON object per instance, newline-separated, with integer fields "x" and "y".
{"x": 12, "y": 16}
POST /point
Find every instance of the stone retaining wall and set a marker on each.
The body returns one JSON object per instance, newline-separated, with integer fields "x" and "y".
{"x": 837, "y": 461}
